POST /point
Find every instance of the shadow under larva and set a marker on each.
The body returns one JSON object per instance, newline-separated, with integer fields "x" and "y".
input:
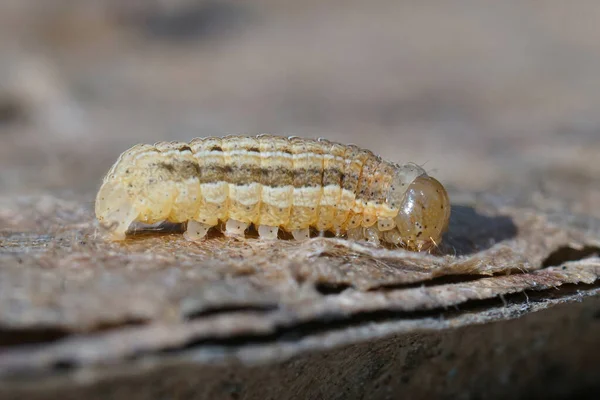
{"x": 273, "y": 183}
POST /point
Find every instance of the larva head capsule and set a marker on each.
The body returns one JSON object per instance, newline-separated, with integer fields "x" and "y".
{"x": 424, "y": 213}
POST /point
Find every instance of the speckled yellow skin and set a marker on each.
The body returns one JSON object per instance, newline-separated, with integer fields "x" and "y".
{"x": 273, "y": 182}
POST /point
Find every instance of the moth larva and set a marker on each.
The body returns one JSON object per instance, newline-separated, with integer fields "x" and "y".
{"x": 272, "y": 182}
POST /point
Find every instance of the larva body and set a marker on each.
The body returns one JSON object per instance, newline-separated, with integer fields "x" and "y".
{"x": 272, "y": 182}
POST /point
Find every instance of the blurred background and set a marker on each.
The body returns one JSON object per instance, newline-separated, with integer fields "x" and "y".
{"x": 488, "y": 95}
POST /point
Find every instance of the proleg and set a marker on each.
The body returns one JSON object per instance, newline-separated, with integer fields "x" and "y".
{"x": 274, "y": 183}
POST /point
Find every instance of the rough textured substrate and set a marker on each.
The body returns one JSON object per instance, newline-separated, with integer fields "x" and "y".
{"x": 497, "y": 99}
{"x": 73, "y": 306}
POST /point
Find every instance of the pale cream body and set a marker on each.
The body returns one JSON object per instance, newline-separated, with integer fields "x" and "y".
{"x": 271, "y": 182}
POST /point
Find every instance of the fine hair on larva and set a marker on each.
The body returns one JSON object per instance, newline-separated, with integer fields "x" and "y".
{"x": 274, "y": 183}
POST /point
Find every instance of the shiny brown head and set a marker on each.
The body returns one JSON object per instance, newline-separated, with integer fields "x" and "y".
{"x": 424, "y": 214}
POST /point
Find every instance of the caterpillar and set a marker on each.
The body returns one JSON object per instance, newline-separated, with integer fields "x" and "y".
{"x": 274, "y": 183}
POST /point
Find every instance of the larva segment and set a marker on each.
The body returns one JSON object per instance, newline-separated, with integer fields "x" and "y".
{"x": 333, "y": 170}
{"x": 273, "y": 183}
{"x": 152, "y": 187}
{"x": 114, "y": 209}
{"x": 364, "y": 211}
{"x": 348, "y": 211}
{"x": 307, "y": 156}
{"x": 214, "y": 190}
{"x": 242, "y": 173}
{"x": 149, "y": 184}
{"x": 376, "y": 210}
{"x": 184, "y": 174}
{"x": 276, "y": 179}
{"x": 369, "y": 191}
{"x": 127, "y": 158}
